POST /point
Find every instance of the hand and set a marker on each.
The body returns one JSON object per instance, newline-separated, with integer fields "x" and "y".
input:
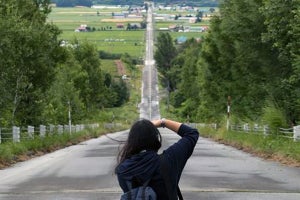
{"x": 156, "y": 123}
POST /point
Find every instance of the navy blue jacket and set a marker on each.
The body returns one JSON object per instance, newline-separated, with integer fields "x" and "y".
{"x": 146, "y": 165}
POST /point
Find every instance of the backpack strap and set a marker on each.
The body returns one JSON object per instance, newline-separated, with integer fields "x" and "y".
{"x": 167, "y": 179}
{"x": 145, "y": 184}
{"x": 129, "y": 185}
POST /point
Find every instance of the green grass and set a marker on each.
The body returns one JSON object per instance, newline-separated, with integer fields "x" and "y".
{"x": 117, "y": 42}
{"x": 166, "y": 24}
{"x": 109, "y": 66}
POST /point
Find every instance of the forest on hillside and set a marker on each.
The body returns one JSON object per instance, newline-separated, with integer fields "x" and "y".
{"x": 70, "y": 3}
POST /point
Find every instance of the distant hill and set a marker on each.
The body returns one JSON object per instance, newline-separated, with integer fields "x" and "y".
{"x": 88, "y": 3}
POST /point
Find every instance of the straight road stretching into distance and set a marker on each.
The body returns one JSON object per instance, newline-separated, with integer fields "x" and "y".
{"x": 86, "y": 171}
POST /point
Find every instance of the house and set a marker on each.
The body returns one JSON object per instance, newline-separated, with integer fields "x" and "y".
{"x": 82, "y": 28}
{"x": 192, "y": 20}
{"x": 134, "y": 26}
{"x": 118, "y": 15}
{"x": 120, "y": 25}
{"x": 181, "y": 39}
{"x": 173, "y": 28}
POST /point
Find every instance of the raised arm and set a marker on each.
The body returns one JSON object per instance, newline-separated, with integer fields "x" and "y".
{"x": 170, "y": 124}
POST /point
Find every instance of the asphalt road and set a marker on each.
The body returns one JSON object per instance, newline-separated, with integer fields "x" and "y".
{"x": 149, "y": 106}
{"x": 86, "y": 171}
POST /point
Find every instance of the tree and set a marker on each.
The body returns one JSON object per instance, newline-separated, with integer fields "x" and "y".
{"x": 189, "y": 86}
{"x": 163, "y": 56}
{"x": 92, "y": 89}
{"x": 31, "y": 53}
{"x": 63, "y": 93}
{"x": 283, "y": 29}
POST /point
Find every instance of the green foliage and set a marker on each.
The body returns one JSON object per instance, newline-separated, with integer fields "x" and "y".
{"x": 274, "y": 117}
{"x": 107, "y": 55}
{"x": 121, "y": 92}
{"x": 29, "y": 55}
{"x": 63, "y": 94}
{"x": 164, "y": 54}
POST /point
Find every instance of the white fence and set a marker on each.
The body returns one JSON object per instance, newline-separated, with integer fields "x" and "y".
{"x": 15, "y": 133}
{"x": 196, "y": 125}
{"x": 293, "y": 133}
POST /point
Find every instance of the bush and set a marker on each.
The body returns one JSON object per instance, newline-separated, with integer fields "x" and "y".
{"x": 274, "y": 117}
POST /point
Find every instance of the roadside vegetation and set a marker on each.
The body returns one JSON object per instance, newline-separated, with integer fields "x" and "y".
{"x": 11, "y": 153}
{"x": 275, "y": 148}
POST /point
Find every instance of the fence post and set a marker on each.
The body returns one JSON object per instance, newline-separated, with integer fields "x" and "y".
{"x": 255, "y": 127}
{"x": 51, "y": 129}
{"x": 67, "y": 128}
{"x": 266, "y": 130}
{"x": 246, "y": 127}
{"x": 30, "y": 131}
{"x": 16, "y": 134}
{"x": 60, "y": 129}
{"x": 42, "y": 131}
{"x": 296, "y": 133}
{"x": 215, "y": 126}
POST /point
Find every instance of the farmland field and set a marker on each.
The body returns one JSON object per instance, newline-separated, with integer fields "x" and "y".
{"x": 106, "y": 36}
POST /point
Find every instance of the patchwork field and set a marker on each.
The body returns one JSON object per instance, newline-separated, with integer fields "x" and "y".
{"x": 105, "y": 35}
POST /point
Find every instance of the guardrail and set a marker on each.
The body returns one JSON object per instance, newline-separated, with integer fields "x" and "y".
{"x": 16, "y": 134}
{"x": 292, "y": 133}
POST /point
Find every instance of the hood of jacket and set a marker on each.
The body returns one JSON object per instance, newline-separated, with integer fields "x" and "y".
{"x": 142, "y": 166}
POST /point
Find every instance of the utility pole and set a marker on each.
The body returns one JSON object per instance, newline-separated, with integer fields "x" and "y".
{"x": 228, "y": 112}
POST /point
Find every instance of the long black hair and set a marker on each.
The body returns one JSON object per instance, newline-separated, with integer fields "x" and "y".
{"x": 143, "y": 135}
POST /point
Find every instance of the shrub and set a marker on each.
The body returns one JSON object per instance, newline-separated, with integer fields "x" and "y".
{"x": 274, "y": 117}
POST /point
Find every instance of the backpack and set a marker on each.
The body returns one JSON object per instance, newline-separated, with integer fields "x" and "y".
{"x": 143, "y": 192}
